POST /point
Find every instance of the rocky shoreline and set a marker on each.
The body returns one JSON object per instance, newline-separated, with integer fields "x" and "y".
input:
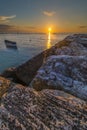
{"x": 48, "y": 92}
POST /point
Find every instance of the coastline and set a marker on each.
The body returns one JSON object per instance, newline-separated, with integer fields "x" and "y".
{"x": 29, "y": 67}
{"x": 53, "y": 88}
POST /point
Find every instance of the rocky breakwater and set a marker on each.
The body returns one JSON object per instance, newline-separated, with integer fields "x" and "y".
{"x": 66, "y": 69}
{"x": 63, "y": 68}
{"x": 75, "y": 45}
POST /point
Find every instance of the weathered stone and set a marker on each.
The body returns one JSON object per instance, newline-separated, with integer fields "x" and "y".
{"x": 26, "y": 72}
{"x": 25, "y": 109}
{"x": 4, "y": 85}
{"x": 68, "y": 73}
{"x": 74, "y": 49}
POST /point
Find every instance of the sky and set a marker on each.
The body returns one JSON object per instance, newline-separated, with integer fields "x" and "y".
{"x": 38, "y": 15}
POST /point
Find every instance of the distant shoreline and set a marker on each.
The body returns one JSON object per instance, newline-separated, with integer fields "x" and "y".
{"x": 37, "y": 33}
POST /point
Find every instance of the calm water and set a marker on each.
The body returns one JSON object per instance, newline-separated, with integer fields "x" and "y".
{"x": 28, "y": 46}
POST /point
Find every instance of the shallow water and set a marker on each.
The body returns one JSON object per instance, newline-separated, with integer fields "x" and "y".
{"x": 28, "y": 46}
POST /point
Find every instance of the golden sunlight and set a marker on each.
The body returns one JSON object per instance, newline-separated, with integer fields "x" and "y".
{"x": 49, "y": 29}
{"x": 49, "y": 38}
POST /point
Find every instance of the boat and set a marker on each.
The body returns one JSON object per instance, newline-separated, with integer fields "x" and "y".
{"x": 10, "y": 44}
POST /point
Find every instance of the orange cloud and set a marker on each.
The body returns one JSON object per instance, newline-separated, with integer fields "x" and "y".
{"x": 82, "y": 26}
{"x": 49, "y": 13}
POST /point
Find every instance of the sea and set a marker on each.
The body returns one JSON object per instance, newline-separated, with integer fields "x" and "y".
{"x": 28, "y": 45}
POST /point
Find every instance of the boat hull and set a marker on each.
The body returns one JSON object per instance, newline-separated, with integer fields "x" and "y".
{"x": 10, "y": 44}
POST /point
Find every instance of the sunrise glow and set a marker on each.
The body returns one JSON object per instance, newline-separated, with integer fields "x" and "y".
{"x": 38, "y": 16}
{"x": 49, "y": 29}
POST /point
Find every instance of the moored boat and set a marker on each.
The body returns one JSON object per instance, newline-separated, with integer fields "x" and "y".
{"x": 10, "y": 44}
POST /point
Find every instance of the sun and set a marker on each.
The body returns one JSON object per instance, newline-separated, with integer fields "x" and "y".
{"x": 49, "y": 29}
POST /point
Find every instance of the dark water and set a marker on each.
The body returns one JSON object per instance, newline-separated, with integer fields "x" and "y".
{"x": 28, "y": 46}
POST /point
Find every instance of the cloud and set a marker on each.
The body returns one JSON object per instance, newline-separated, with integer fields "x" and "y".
{"x": 49, "y": 13}
{"x": 6, "y": 28}
{"x": 14, "y": 28}
{"x": 31, "y": 27}
{"x": 5, "y": 19}
{"x": 82, "y": 26}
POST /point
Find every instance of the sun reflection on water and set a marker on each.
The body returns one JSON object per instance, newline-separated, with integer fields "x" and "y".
{"x": 49, "y": 40}
{"x": 48, "y": 44}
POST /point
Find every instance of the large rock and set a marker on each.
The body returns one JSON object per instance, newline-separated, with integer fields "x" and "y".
{"x": 26, "y": 72}
{"x": 68, "y": 73}
{"x": 75, "y": 48}
{"x": 25, "y": 109}
{"x": 4, "y": 86}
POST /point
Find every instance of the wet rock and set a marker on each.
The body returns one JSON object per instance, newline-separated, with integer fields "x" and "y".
{"x": 4, "y": 85}
{"x": 68, "y": 73}
{"x": 26, "y": 109}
